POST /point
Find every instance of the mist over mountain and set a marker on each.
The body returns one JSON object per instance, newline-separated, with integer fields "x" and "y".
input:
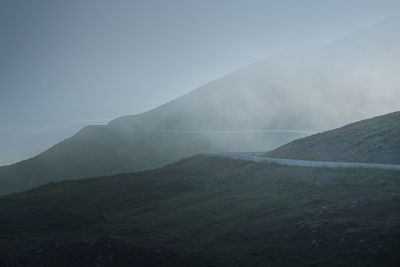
{"x": 319, "y": 88}
{"x": 295, "y": 93}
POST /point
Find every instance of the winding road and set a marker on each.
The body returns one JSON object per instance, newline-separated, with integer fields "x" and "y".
{"x": 250, "y": 131}
{"x": 256, "y": 157}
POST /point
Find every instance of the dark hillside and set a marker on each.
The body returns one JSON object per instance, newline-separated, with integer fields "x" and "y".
{"x": 234, "y": 212}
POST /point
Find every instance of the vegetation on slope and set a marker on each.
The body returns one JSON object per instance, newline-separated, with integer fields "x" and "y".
{"x": 373, "y": 140}
{"x": 237, "y": 213}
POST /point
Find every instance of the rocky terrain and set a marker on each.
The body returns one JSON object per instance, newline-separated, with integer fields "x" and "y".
{"x": 85, "y": 250}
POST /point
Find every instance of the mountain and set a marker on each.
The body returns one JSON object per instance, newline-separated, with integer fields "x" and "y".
{"x": 319, "y": 88}
{"x": 101, "y": 150}
{"x": 373, "y": 140}
{"x": 208, "y": 211}
{"x": 309, "y": 90}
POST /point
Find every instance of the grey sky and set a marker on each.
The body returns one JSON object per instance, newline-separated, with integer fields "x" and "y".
{"x": 65, "y": 64}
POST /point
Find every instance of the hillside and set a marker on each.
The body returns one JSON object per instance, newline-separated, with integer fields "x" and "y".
{"x": 100, "y": 150}
{"x": 307, "y": 90}
{"x": 373, "y": 140}
{"x": 212, "y": 212}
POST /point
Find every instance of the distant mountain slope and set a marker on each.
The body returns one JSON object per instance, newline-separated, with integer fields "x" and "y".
{"x": 237, "y": 212}
{"x": 373, "y": 140}
{"x": 312, "y": 89}
{"x": 101, "y": 150}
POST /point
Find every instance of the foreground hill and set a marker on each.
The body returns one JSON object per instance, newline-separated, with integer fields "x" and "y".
{"x": 374, "y": 140}
{"x": 208, "y": 211}
{"x": 311, "y": 89}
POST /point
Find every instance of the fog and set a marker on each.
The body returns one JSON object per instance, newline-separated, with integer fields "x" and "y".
{"x": 313, "y": 89}
{"x": 69, "y": 64}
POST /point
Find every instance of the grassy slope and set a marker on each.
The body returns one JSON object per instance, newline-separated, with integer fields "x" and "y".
{"x": 373, "y": 140}
{"x": 238, "y": 213}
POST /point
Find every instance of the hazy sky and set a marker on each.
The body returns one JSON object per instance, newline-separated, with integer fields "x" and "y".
{"x": 65, "y": 64}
